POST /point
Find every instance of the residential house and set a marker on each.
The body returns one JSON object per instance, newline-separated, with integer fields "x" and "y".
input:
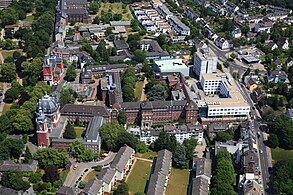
{"x": 252, "y": 188}
{"x": 222, "y": 43}
{"x": 251, "y": 84}
{"x": 153, "y": 50}
{"x": 108, "y": 176}
{"x": 5, "y": 3}
{"x": 231, "y": 7}
{"x": 289, "y": 62}
{"x": 199, "y": 186}
{"x": 161, "y": 170}
{"x": 65, "y": 190}
{"x": 122, "y": 162}
{"x": 277, "y": 76}
{"x": 272, "y": 45}
{"x": 289, "y": 113}
{"x": 179, "y": 26}
{"x": 263, "y": 27}
{"x": 236, "y": 33}
{"x": 258, "y": 94}
{"x": 8, "y": 165}
{"x": 283, "y": 43}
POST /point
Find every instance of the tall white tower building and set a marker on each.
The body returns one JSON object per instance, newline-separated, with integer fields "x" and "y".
{"x": 205, "y": 61}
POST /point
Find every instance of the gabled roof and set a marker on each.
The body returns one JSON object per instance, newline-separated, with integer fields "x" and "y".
{"x": 200, "y": 186}
{"x": 84, "y": 110}
{"x": 121, "y": 158}
{"x": 93, "y": 186}
{"x": 11, "y": 166}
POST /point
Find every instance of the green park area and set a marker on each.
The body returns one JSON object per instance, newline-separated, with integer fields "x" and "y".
{"x": 138, "y": 177}
{"x": 91, "y": 175}
{"x": 116, "y": 8}
{"x": 78, "y": 130}
{"x": 148, "y": 155}
{"x": 178, "y": 182}
{"x": 281, "y": 154}
{"x": 138, "y": 89}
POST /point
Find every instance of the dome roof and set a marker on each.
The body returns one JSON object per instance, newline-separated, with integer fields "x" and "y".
{"x": 48, "y": 105}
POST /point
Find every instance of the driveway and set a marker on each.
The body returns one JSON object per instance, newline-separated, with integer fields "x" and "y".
{"x": 74, "y": 175}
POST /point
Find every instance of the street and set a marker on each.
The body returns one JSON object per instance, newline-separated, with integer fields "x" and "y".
{"x": 74, "y": 175}
{"x": 264, "y": 158}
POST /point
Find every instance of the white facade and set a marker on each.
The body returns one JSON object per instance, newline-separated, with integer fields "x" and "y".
{"x": 205, "y": 61}
{"x": 171, "y": 65}
{"x": 224, "y": 98}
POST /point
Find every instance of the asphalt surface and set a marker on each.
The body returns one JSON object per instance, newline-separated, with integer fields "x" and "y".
{"x": 74, "y": 176}
{"x": 262, "y": 148}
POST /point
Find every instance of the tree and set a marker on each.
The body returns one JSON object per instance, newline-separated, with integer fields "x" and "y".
{"x": 51, "y": 156}
{"x": 8, "y": 72}
{"x": 31, "y": 71}
{"x": 190, "y": 145}
{"x": 165, "y": 141}
{"x": 80, "y": 152}
{"x": 122, "y": 189}
{"x": 12, "y": 94}
{"x": 70, "y": 74}
{"x": 162, "y": 39}
{"x": 28, "y": 156}
{"x": 122, "y": 118}
{"x": 13, "y": 179}
{"x": 94, "y": 7}
{"x": 223, "y": 136}
{"x": 36, "y": 177}
{"x": 180, "y": 159}
{"x": 233, "y": 56}
{"x": 126, "y": 138}
{"x": 139, "y": 56}
{"x": 68, "y": 96}
{"x": 69, "y": 132}
{"x": 109, "y": 133}
{"x": 273, "y": 141}
{"x": 282, "y": 177}
{"x": 16, "y": 54}
{"x": 51, "y": 174}
{"x": 158, "y": 92}
{"x": 224, "y": 177}
{"x": 228, "y": 25}
{"x": 10, "y": 149}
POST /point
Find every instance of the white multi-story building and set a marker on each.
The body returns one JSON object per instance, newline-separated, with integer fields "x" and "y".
{"x": 205, "y": 61}
{"x": 223, "y": 97}
{"x": 181, "y": 133}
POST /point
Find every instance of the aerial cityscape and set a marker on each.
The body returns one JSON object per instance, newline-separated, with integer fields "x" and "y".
{"x": 155, "y": 97}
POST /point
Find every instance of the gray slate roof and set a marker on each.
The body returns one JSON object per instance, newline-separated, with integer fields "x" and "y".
{"x": 106, "y": 175}
{"x": 93, "y": 186}
{"x": 200, "y": 186}
{"x": 84, "y": 110}
{"x": 122, "y": 157}
{"x": 160, "y": 171}
{"x": 10, "y": 166}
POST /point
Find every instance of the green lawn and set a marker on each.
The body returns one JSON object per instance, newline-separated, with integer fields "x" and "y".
{"x": 281, "y": 154}
{"x": 91, "y": 175}
{"x": 1, "y": 86}
{"x": 116, "y": 8}
{"x": 178, "y": 182}
{"x": 138, "y": 89}
{"x": 6, "y": 108}
{"x": 29, "y": 18}
{"x": 147, "y": 155}
{"x": 79, "y": 131}
{"x": 138, "y": 177}
{"x": 6, "y": 53}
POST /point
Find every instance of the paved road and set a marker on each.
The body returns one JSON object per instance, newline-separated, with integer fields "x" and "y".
{"x": 264, "y": 157}
{"x": 74, "y": 175}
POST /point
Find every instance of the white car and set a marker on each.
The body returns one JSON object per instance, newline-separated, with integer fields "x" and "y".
{"x": 261, "y": 151}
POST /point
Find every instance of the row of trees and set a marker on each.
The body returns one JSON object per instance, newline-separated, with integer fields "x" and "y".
{"x": 281, "y": 130}
{"x": 224, "y": 175}
{"x": 282, "y": 177}
{"x": 182, "y": 153}
{"x": 128, "y": 84}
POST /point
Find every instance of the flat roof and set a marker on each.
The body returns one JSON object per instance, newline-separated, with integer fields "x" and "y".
{"x": 236, "y": 99}
{"x": 170, "y": 64}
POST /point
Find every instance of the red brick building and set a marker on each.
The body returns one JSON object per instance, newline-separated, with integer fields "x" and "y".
{"x": 147, "y": 113}
{"x": 52, "y": 68}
